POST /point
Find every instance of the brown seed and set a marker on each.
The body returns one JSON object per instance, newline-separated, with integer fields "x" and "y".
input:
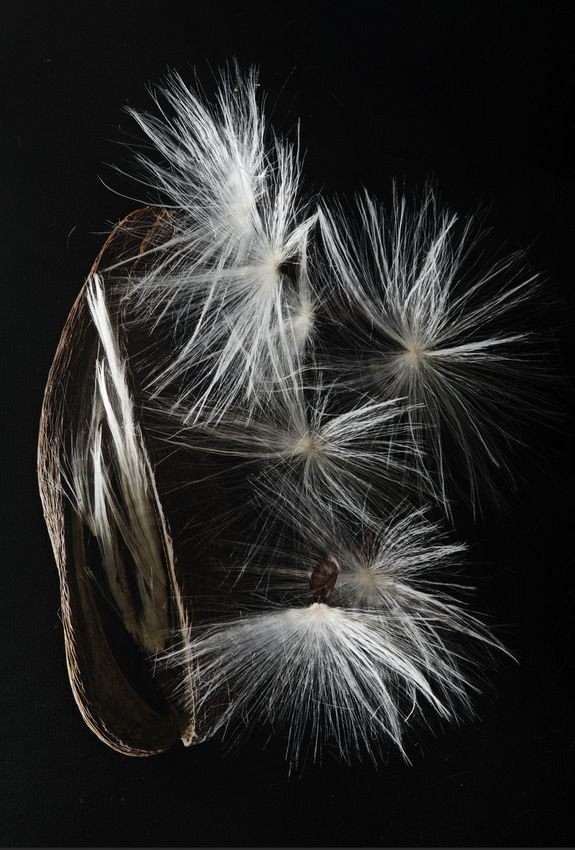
{"x": 323, "y": 578}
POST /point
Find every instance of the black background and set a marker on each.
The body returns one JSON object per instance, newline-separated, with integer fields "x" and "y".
{"x": 478, "y": 96}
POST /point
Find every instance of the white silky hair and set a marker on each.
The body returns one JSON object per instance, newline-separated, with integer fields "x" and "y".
{"x": 329, "y": 368}
{"x": 433, "y": 323}
{"x": 353, "y": 670}
{"x": 230, "y": 279}
{"x": 111, "y": 485}
{"x": 302, "y": 438}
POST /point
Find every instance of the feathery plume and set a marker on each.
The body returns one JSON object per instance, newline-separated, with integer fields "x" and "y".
{"x": 302, "y": 438}
{"x": 348, "y": 640}
{"x": 229, "y": 277}
{"x": 429, "y": 324}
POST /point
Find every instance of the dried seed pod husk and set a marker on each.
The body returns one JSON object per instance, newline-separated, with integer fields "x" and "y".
{"x": 107, "y": 657}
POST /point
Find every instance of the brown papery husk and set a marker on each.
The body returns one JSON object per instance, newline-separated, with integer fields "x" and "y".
{"x": 128, "y": 705}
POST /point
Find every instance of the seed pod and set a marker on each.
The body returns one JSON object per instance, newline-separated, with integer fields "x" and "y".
{"x": 110, "y": 678}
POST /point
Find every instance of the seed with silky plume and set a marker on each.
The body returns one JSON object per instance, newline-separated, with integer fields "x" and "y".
{"x": 378, "y": 641}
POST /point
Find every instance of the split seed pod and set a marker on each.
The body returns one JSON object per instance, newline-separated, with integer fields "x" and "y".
{"x": 118, "y": 701}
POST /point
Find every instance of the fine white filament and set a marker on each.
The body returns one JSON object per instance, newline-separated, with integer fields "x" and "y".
{"x": 334, "y": 374}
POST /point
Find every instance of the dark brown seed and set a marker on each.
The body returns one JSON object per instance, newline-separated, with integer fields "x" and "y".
{"x": 323, "y": 578}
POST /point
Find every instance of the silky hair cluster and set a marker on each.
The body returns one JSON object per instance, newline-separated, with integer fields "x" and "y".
{"x": 304, "y": 388}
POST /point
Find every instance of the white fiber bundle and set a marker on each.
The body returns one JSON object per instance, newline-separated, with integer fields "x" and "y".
{"x": 435, "y": 322}
{"x": 111, "y": 486}
{"x": 306, "y": 384}
{"x": 343, "y": 647}
{"x": 230, "y": 282}
{"x": 298, "y": 440}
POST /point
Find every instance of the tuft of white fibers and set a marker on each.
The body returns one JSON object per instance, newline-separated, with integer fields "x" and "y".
{"x": 346, "y": 666}
{"x": 302, "y": 439}
{"x": 111, "y": 485}
{"x": 227, "y": 276}
{"x": 433, "y": 323}
{"x": 312, "y": 381}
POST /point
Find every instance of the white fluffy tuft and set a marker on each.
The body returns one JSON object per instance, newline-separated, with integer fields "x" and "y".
{"x": 303, "y": 440}
{"x": 230, "y": 278}
{"x": 429, "y": 323}
{"x": 350, "y": 670}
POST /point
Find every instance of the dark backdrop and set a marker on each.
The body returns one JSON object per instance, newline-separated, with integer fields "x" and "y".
{"x": 479, "y": 97}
